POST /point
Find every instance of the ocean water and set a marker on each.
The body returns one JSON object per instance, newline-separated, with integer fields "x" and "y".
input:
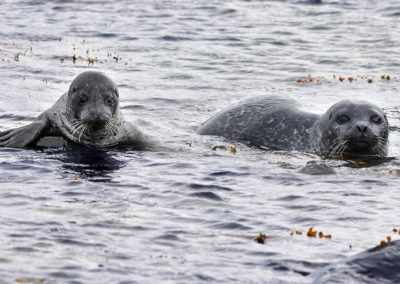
{"x": 185, "y": 212}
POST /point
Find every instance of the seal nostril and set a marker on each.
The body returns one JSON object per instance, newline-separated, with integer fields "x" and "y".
{"x": 362, "y": 129}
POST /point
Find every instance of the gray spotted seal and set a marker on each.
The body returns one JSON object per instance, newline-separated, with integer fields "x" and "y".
{"x": 347, "y": 127}
{"x": 377, "y": 265}
{"x": 88, "y": 114}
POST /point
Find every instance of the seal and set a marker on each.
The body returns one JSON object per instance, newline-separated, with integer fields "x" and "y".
{"x": 88, "y": 114}
{"x": 380, "y": 264}
{"x": 274, "y": 123}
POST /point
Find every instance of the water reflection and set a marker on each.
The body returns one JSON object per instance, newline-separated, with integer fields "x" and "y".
{"x": 94, "y": 164}
{"x": 363, "y": 161}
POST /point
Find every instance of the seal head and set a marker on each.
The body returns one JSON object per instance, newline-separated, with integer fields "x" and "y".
{"x": 91, "y": 113}
{"x": 353, "y": 127}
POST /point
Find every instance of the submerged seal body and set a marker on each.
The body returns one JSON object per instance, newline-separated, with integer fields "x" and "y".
{"x": 347, "y": 127}
{"x": 377, "y": 265}
{"x": 87, "y": 114}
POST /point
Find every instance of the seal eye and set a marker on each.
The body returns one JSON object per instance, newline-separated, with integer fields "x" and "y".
{"x": 342, "y": 118}
{"x": 83, "y": 99}
{"x": 109, "y": 100}
{"x": 376, "y": 119}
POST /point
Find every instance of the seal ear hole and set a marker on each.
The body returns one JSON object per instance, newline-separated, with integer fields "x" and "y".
{"x": 330, "y": 116}
{"x": 376, "y": 119}
{"x": 74, "y": 90}
{"x": 116, "y": 93}
{"x": 342, "y": 118}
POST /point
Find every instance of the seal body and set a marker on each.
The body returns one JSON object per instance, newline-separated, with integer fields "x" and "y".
{"x": 377, "y": 265}
{"x": 348, "y": 127}
{"x": 87, "y": 114}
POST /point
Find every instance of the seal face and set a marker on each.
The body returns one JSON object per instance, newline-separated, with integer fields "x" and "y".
{"x": 353, "y": 128}
{"x": 92, "y": 112}
{"x": 348, "y": 127}
{"x": 87, "y": 114}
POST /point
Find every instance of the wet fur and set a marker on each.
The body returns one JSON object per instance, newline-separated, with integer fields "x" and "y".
{"x": 278, "y": 123}
{"x": 91, "y": 123}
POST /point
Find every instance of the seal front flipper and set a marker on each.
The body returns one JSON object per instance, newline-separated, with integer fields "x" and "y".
{"x": 25, "y": 135}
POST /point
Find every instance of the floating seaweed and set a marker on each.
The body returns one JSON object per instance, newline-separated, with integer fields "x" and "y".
{"x": 30, "y": 280}
{"x": 261, "y": 238}
{"x": 312, "y": 234}
{"x": 296, "y": 232}
{"x": 350, "y": 79}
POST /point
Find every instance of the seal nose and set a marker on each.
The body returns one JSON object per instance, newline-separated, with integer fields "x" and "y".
{"x": 362, "y": 128}
{"x": 97, "y": 125}
{"x": 97, "y": 122}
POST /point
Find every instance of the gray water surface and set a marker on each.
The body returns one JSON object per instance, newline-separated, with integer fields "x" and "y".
{"x": 186, "y": 213}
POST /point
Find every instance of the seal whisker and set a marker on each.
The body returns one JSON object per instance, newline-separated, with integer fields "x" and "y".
{"x": 335, "y": 146}
{"x": 336, "y": 142}
{"x": 331, "y": 149}
{"x": 76, "y": 122}
{"x": 109, "y": 128}
{"x": 337, "y": 150}
{"x": 382, "y": 140}
{"x": 114, "y": 128}
{"x": 85, "y": 126}
{"x": 77, "y": 129}
{"x": 111, "y": 125}
{"x": 113, "y": 120}
{"x": 344, "y": 145}
{"x": 381, "y": 147}
{"x": 75, "y": 125}
{"x": 340, "y": 147}
{"x": 381, "y": 152}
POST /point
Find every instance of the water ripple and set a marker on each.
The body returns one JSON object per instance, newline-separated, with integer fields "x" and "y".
{"x": 190, "y": 211}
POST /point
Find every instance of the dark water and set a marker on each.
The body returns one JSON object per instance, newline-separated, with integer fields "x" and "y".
{"x": 186, "y": 213}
